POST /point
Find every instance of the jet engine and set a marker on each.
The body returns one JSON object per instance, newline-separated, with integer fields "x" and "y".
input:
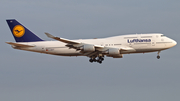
{"x": 88, "y": 48}
{"x": 113, "y": 51}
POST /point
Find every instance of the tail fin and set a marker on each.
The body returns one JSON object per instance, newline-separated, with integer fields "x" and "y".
{"x": 21, "y": 33}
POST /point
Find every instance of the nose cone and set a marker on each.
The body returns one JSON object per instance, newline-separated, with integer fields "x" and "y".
{"x": 174, "y": 42}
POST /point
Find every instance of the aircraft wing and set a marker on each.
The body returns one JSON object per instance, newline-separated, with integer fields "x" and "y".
{"x": 62, "y": 39}
{"x": 96, "y": 49}
{"x": 70, "y": 43}
{"x": 19, "y": 44}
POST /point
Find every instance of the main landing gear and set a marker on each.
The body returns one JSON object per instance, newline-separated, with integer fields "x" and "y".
{"x": 99, "y": 59}
{"x": 158, "y": 57}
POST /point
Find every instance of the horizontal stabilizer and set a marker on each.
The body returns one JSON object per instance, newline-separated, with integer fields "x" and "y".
{"x": 19, "y": 45}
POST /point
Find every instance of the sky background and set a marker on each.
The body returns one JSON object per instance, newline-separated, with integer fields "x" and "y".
{"x": 28, "y": 76}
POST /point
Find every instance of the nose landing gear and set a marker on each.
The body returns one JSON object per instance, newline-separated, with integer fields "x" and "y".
{"x": 158, "y": 57}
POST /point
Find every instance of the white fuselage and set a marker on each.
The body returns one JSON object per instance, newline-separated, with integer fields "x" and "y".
{"x": 139, "y": 43}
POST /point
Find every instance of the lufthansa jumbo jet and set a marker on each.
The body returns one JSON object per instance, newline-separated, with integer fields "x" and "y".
{"x": 95, "y": 49}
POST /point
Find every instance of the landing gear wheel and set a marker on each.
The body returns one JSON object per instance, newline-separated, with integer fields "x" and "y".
{"x": 94, "y": 60}
{"x": 158, "y": 57}
{"x": 102, "y": 59}
{"x": 91, "y": 60}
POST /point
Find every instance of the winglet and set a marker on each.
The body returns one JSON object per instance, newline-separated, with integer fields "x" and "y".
{"x": 49, "y": 35}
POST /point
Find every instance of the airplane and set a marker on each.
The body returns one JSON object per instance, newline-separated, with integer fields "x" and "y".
{"x": 96, "y": 49}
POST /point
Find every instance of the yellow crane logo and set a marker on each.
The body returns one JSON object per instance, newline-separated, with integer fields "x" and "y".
{"x": 18, "y": 31}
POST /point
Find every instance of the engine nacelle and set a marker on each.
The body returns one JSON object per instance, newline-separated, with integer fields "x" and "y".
{"x": 88, "y": 48}
{"x": 113, "y": 51}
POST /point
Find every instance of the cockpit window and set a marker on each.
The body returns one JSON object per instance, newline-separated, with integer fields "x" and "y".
{"x": 163, "y": 36}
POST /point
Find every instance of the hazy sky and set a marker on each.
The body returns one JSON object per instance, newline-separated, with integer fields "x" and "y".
{"x": 28, "y": 76}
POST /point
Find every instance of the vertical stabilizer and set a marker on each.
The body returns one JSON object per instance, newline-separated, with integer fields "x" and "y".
{"x": 21, "y": 33}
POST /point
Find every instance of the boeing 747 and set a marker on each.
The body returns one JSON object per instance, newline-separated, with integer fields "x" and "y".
{"x": 95, "y": 49}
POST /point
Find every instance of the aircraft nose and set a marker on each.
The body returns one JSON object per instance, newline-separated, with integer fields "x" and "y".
{"x": 174, "y": 42}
